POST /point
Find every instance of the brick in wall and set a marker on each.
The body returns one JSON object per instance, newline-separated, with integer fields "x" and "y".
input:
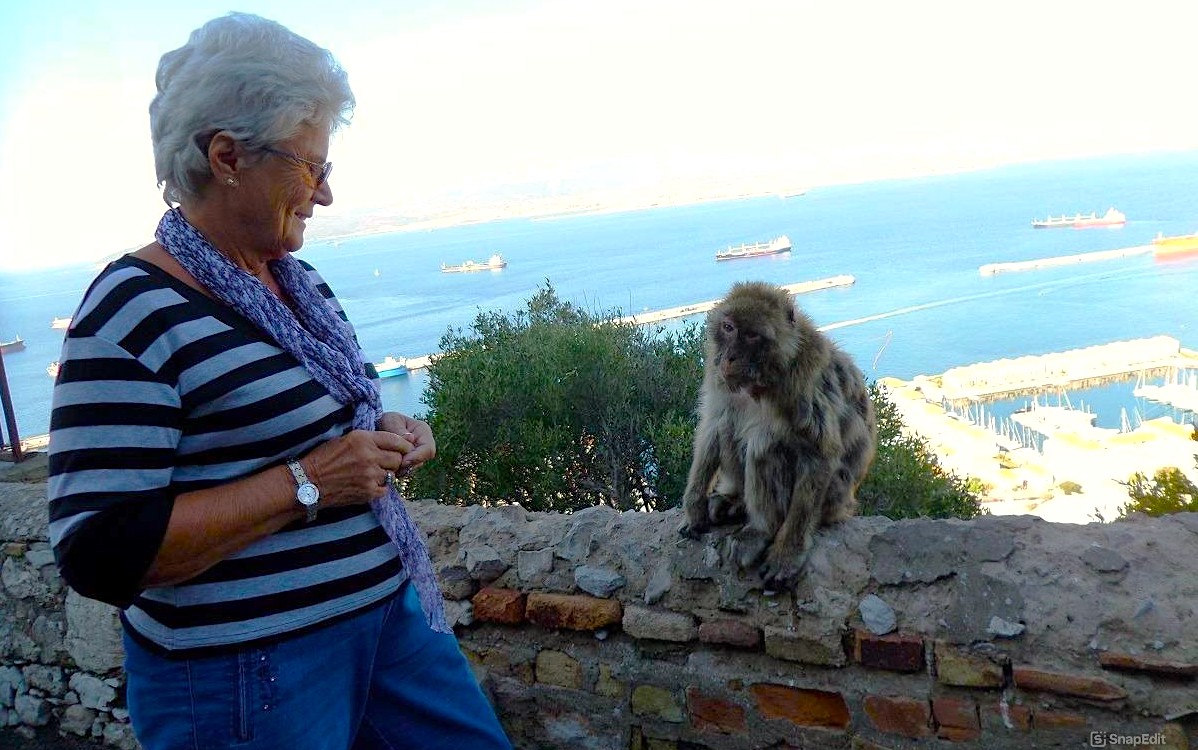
{"x": 1146, "y": 664}
{"x": 1078, "y": 686}
{"x": 504, "y": 606}
{"x": 896, "y": 652}
{"x": 965, "y": 670}
{"x": 909, "y": 717}
{"x": 710, "y": 713}
{"x": 657, "y": 703}
{"x": 801, "y": 706}
{"x": 571, "y": 611}
{"x": 557, "y": 668}
{"x": 956, "y": 719}
{"x": 730, "y": 632}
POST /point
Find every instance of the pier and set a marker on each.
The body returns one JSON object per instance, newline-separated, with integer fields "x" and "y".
{"x": 990, "y": 269}
{"x": 684, "y": 311}
{"x": 670, "y": 313}
{"x": 1076, "y": 368}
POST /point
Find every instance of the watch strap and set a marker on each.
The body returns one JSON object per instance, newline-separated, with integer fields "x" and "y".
{"x": 297, "y": 471}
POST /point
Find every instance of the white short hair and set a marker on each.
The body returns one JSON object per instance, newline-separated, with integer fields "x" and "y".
{"x": 247, "y": 75}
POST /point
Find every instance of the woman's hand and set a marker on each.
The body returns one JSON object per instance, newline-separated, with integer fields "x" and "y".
{"x": 353, "y": 468}
{"x": 414, "y": 431}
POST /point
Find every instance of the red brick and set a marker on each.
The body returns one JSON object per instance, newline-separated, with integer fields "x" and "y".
{"x": 806, "y": 708}
{"x": 504, "y": 606}
{"x": 730, "y": 632}
{"x": 909, "y": 717}
{"x": 1078, "y": 686}
{"x": 1045, "y": 719}
{"x": 1008, "y": 717}
{"x": 955, "y": 712}
{"x": 711, "y": 713}
{"x": 572, "y": 611}
{"x": 956, "y": 719}
{"x": 896, "y": 652}
{"x": 1160, "y": 667}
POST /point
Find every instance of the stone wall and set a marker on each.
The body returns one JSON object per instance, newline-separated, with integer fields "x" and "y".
{"x": 606, "y": 630}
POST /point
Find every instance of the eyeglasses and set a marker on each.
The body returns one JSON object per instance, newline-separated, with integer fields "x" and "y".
{"x": 319, "y": 172}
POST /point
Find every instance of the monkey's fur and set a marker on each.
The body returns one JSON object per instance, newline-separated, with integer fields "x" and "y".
{"x": 786, "y": 432}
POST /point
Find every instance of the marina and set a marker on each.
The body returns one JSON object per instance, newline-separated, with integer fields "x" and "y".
{"x": 991, "y": 269}
{"x": 1076, "y": 368}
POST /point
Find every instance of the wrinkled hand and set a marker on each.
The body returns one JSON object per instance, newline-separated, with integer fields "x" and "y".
{"x": 414, "y": 431}
{"x": 353, "y": 468}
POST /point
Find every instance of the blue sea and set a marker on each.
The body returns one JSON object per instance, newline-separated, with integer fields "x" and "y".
{"x": 913, "y": 245}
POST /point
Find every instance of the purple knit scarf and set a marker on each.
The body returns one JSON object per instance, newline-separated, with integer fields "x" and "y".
{"x": 325, "y": 345}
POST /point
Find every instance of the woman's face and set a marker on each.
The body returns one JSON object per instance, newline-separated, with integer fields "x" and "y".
{"x": 280, "y": 193}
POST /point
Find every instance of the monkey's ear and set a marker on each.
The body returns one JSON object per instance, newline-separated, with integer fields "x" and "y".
{"x": 790, "y": 313}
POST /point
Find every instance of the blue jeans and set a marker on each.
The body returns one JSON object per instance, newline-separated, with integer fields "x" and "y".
{"x": 381, "y": 679}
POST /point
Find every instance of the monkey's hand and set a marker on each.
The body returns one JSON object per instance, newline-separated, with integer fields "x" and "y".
{"x": 697, "y": 521}
{"x": 781, "y": 569}
{"x": 748, "y": 546}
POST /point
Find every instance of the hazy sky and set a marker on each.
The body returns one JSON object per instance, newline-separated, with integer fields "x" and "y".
{"x": 456, "y": 95}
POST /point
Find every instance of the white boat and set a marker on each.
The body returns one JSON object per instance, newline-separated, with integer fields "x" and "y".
{"x": 52, "y": 369}
{"x": 60, "y": 323}
{"x": 391, "y": 366}
{"x": 776, "y": 246}
{"x": 494, "y": 263}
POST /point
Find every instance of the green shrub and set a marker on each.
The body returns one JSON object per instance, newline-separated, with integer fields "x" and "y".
{"x": 906, "y": 479}
{"x": 558, "y": 409}
{"x": 1168, "y": 491}
{"x": 1070, "y": 487}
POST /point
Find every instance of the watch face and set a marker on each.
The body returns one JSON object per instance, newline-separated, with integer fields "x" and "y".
{"x": 308, "y": 494}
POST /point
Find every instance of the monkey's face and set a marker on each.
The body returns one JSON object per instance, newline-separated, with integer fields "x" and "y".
{"x": 743, "y": 352}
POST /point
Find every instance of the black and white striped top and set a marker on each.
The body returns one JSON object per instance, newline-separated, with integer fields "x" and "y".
{"x": 162, "y": 390}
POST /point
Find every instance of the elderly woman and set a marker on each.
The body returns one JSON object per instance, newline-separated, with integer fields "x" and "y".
{"x": 222, "y": 469}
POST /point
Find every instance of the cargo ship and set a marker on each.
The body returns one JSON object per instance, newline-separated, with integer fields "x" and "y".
{"x": 494, "y": 263}
{"x": 775, "y": 246}
{"x": 1112, "y": 218}
{"x": 391, "y": 366}
{"x": 1177, "y": 246}
{"x": 16, "y": 345}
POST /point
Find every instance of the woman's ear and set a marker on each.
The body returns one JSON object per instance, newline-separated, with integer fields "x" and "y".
{"x": 225, "y": 156}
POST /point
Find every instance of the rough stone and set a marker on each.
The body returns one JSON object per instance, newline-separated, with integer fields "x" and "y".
{"x": 531, "y": 564}
{"x": 47, "y": 678}
{"x": 601, "y": 582}
{"x": 93, "y": 692}
{"x": 34, "y": 712}
{"x": 459, "y": 613}
{"x": 20, "y": 580}
{"x": 77, "y": 720}
{"x": 1104, "y": 560}
{"x": 657, "y": 703}
{"x": 93, "y": 634}
{"x": 1000, "y": 627}
{"x": 658, "y": 624}
{"x": 660, "y": 583}
{"x": 920, "y": 551}
{"x": 824, "y": 650}
{"x": 557, "y": 668}
{"x": 456, "y": 583}
{"x": 11, "y": 683}
{"x": 484, "y": 563}
{"x": 730, "y": 632}
{"x": 979, "y": 598}
{"x": 964, "y": 670}
{"x": 877, "y": 615}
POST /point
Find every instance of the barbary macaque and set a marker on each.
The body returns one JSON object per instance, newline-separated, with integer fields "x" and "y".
{"x": 786, "y": 432}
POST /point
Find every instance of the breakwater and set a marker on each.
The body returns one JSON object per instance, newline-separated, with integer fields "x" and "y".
{"x": 991, "y": 269}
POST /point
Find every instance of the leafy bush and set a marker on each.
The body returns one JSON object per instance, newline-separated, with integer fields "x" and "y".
{"x": 906, "y": 479}
{"x": 1070, "y": 487}
{"x": 1168, "y": 491}
{"x": 558, "y": 409}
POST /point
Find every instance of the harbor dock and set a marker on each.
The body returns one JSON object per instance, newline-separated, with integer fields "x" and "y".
{"x": 1077, "y": 368}
{"x": 990, "y": 269}
{"x": 684, "y": 311}
{"x": 670, "y": 313}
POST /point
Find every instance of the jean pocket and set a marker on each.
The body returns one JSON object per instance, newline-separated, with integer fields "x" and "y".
{"x": 228, "y": 694}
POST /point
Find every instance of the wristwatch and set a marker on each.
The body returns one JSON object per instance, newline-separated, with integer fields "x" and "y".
{"x": 306, "y": 493}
